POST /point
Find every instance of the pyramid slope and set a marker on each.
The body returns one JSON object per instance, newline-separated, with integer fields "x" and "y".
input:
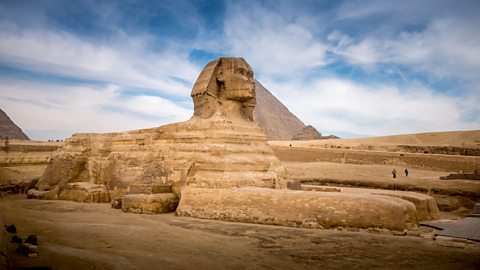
{"x": 274, "y": 117}
{"x": 9, "y": 129}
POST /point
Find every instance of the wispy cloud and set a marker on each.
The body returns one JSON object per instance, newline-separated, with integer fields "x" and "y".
{"x": 336, "y": 105}
{"x": 273, "y": 43}
{"x": 447, "y": 49}
{"x": 41, "y": 106}
{"x": 129, "y": 64}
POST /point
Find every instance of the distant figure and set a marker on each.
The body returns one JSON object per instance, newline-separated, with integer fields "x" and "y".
{"x": 394, "y": 173}
{"x": 406, "y": 172}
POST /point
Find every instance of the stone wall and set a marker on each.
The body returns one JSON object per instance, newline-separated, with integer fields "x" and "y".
{"x": 444, "y": 150}
{"x": 26, "y": 154}
{"x": 412, "y": 160}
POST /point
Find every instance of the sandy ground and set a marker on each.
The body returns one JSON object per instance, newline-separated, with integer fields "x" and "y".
{"x": 380, "y": 173}
{"x": 380, "y": 176}
{"x": 456, "y": 196}
{"x": 94, "y": 236}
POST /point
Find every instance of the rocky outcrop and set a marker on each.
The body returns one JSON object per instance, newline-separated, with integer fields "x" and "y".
{"x": 8, "y": 129}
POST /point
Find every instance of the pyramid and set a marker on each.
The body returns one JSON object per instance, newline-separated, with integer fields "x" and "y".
{"x": 9, "y": 129}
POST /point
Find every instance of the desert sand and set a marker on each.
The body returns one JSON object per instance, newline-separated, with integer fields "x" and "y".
{"x": 94, "y": 236}
{"x": 448, "y": 138}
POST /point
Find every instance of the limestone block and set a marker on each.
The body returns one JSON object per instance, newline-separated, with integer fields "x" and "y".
{"x": 36, "y": 194}
{"x": 426, "y": 206}
{"x": 320, "y": 188}
{"x": 294, "y": 184}
{"x": 297, "y": 208}
{"x": 43, "y": 194}
{"x": 150, "y": 204}
{"x": 84, "y": 192}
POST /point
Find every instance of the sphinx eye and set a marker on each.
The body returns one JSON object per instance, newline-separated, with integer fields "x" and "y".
{"x": 242, "y": 71}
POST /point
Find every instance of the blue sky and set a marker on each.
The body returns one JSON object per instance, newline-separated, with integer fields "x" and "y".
{"x": 350, "y": 68}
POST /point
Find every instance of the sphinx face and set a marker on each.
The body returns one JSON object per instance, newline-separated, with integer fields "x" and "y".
{"x": 237, "y": 78}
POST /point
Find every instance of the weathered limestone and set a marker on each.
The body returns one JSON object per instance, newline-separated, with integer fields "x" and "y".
{"x": 84, "y": 192}
{"x": 220, "y": 146}
{"x": 150, "y": 204}
{"x": 218, "y": 164}
{"x": 298, "y": 208}
{"x": 425, "y": 205}
{"x": 75, "y": 191}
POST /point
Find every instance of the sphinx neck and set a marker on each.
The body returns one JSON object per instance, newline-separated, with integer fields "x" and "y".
{"x": 234, "y": 110}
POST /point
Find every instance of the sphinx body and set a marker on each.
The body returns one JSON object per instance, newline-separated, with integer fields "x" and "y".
{"x": 219, "y": 147}
{"x": 216, "y": 165}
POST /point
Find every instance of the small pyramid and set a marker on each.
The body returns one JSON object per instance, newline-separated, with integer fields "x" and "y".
{"x": 308, "y": 133}
{"x": 9, "y": 129}
{"x": 311, "y": 133}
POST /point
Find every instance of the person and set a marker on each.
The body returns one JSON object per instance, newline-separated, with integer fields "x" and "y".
{"x": 394, "y": 173}
{"x": 406, "y": 172}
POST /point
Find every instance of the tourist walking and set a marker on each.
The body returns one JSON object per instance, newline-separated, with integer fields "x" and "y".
{"x": 394, "y": 173}
{"x": 406, "y": 172}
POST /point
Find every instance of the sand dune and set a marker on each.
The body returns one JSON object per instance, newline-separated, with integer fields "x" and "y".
{"x": 469, "y": 138}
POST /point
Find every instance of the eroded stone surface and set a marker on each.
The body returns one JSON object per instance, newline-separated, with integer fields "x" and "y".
{"x": 297, "y": 208}
{"x": 84, "y": 192}
{"x": 425, "y": 205}
{"x": 150, "y": 204}
{"x": 219, "y": 147}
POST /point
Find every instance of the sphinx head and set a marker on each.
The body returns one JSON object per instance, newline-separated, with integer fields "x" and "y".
{"x": 225, "y": 85}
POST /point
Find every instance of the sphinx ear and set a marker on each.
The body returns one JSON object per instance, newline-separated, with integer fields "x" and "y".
{"x": 220, "y": 76}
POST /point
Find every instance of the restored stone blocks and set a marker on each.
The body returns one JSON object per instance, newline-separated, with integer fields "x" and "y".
{"x": 150, "y": 204}
{"x": 84, "y": 192}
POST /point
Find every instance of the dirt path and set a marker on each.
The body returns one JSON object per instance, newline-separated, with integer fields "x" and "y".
{"x": 94, "y": 236}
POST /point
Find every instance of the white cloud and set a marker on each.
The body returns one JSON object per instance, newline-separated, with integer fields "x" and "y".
{"x": 447, "y": 49}
{"x": 39, "y": 107}
{"x": 157, "y": 107}
{"x": 335, "y": 105}
{"x": 125, "y": 61}
{"x": 272, "y": 43}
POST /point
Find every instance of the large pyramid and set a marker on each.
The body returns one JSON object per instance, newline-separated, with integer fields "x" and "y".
{"x": 277, "y": 121}
{"x": 9, "y": 129}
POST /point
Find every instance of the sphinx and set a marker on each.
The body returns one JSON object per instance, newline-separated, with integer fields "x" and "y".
{"x": 216, "y": 165}
{"x": 219, "y": 146}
